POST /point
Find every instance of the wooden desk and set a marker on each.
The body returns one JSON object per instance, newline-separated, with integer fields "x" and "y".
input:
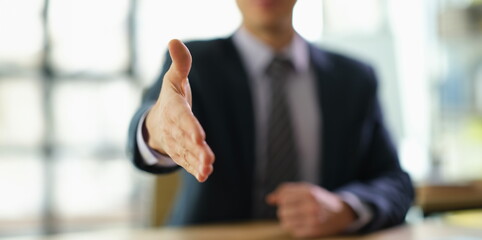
{"x": 442, "y": 198}
{"x": 268, "y": 231}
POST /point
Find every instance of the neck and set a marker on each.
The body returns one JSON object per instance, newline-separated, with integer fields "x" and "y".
{"x": 276, "y": 37}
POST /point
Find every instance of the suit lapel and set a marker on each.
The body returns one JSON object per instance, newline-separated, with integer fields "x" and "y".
{"x": 326, "y": 86}
{"x": 241, "y": 111}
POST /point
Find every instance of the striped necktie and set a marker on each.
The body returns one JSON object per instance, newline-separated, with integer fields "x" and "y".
{"x": 281, "y": 153}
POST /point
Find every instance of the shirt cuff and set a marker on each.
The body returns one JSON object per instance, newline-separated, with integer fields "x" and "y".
{"x": 361, "y": 209}
{"x": 150, "y": 156}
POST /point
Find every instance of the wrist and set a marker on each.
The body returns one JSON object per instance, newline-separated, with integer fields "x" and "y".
{"x": 149, "y": 127}
{"x": 346, "y": 215}
{"x": 349, "y": 215}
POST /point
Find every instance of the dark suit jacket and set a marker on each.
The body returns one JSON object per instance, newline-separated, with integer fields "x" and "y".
{"x": 357, "y": 153}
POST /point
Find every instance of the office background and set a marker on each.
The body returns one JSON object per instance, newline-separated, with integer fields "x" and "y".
{"x": 72, "y": 73}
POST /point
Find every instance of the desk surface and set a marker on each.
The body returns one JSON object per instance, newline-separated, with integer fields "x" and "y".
{"x": 260, "y": 230}
{"x": 443, "y": 198}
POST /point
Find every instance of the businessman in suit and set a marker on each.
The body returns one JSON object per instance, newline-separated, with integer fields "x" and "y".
{"x": 297, "y": 132}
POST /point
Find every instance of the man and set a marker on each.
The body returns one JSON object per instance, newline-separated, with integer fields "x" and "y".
{"x": 292, "y": 127}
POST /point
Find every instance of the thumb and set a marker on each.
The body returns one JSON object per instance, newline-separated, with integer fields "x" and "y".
{"x": 181, "y": 60}
{"x": 272, "y": 198}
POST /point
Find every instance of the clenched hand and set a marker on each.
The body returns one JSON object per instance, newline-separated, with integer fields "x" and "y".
{"x": 307, "y": 210}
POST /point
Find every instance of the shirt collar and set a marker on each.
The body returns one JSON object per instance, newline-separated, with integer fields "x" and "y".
{"x": 257, "y": 55}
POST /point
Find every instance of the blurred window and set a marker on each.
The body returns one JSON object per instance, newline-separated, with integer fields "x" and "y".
{"x": 21, "y": 34}
{"x": 67, "y": 93}
{"x": 71, "y": 79}
{"x": 458, "y": 93}
{"x": 89, "y": 35}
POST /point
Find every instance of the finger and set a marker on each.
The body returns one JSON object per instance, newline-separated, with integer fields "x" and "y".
{"x": 293, "y": 197}
{"x": 181, "y": 60}
{"x": 184, "y": 157}
{"x": 193, "y": 166}
{"x": 287, "y": 188}
{"x": 206, "y": 160}
{"x": 288, "y": 200}
{"x": 290, "y": 212}
{"x": 204, "y": 173}
{"x": 185, "y": 131}
{"x": 183, "y": 125}
{"x": 190, "y": 156}
{"x": 292, "y": 224}
{"x": 272, "y": 198}
{"x": 192, "y": 131}
{"x": 185, "y": 120}
{"x": 206, "y": 155}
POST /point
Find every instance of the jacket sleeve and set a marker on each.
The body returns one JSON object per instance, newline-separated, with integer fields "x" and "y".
{"x": 382, "y": 184}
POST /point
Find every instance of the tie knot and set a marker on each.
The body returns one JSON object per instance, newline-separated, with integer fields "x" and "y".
{"x": 279, "y": 67}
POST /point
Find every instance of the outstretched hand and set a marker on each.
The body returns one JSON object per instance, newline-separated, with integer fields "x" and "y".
{"x": 172, "y": 127}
